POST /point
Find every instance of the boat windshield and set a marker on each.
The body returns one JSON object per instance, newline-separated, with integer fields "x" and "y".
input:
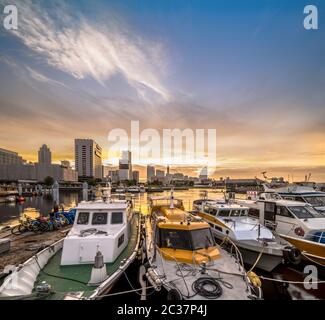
{"x": 317, "y": 201}
{"x": 185, "y": 239}
{"x": 202, "y": 238}
{"x": 302, "y": 212}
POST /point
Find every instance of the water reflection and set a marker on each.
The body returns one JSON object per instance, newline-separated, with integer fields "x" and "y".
{"x": 33, "y": 206}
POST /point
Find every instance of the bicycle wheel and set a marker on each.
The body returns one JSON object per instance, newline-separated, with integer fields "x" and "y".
{"x": 57, "y": 225}
{"x": 15, "y": 230}
{"x": 44, "y": 226}
{"x": 22, "y": 228}
{"x": 35, "y": 227}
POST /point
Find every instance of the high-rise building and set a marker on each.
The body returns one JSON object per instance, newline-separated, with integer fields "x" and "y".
{"x": 125, "y": 166}
{"x": 10, "y": 157}
{"x": 151, "y": 172}
{"x": 44, "y": 155}
{"x": 88, "y": 159}
{"x": 136, "y": 176}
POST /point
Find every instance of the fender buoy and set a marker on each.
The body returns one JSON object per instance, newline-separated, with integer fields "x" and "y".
{"x": 299, "y": 232}
{"x": 174, "y": 294}
{"x": 292, "y": 255}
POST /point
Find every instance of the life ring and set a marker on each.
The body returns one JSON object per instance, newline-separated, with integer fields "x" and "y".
{"x": 292, "y": 255}
{"x": 299, "y": 231}
{"x": 174, "y": 294}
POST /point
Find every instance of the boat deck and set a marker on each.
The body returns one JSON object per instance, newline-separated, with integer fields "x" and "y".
{"x": 57, "y": 276}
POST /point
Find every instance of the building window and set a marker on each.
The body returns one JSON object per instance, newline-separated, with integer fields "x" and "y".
{"x": 99, "y": 218}
{"x": 120, "y": 240}
{"x": 83, "y": 218}
{"x": 117, "y": 218}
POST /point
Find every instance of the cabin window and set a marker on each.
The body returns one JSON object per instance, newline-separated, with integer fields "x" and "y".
{"x": 120, "y": 240}
{"x": 316, "y": 201}
{"x": 223, "y": 213}
{"x": 284, "y": 212}
{"x": 201, "y": 239}
{"x": 206, "y": 209}
{"x": 175, "y": 239}
{"x": 83, "y": 218}
{"x": 213, "y": 212}
{"x": 304, "y": 212}
{"x": 244, "y": 212}
{"x": 99, "y": 218}
{"x": 117, "y": 218}
{"x": 269, "y": 207}
{"x": 235, "y": 213}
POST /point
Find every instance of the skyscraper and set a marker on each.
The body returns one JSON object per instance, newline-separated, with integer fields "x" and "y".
{"x": 44, "y": 155}
{"x": 150, "y": 173}
{"x": 125, "y": 166}
{"x": 88, "y": 159}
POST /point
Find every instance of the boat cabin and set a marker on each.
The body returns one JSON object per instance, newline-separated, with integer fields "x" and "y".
{"x": 287, "y": 217}
{"x": 182, "y": 236}
{"x": 98, "y": 226}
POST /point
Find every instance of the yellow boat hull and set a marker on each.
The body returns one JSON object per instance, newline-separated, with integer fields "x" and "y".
{"x": 312, "y": 250}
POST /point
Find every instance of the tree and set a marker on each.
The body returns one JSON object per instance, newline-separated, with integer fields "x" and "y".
{"x": 48, "y": 181}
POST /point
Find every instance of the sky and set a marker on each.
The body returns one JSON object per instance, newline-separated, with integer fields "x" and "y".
{"x": 249, "y": 69}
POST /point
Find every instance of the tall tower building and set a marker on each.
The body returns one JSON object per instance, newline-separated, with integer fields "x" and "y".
{"x": 88, "y": 159}
{"x": 44, "y": 155}
{"x": 125, "y": 166}
{"x": 151, "y": 172}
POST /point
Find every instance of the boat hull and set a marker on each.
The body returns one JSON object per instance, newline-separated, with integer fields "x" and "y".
{"x": 310, "y": 250}
{"x": 250, "y": 250}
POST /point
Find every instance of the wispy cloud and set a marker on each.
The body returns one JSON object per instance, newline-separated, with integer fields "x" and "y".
{"x": 25, "y": 73}
{"x": 84, "y": 49}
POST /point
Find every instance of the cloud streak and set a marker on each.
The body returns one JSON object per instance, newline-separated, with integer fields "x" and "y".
{"x": 84, "y": 49}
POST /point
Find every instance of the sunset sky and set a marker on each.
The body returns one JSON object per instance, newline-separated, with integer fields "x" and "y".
{"x": 249, "y": 69}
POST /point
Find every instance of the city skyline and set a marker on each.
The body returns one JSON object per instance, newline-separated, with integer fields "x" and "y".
{"x": 251, "y": 71}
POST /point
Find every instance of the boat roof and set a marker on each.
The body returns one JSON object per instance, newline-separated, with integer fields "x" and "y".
{"x": 102, "y": 205}
{"x": 286, "y": 202}
{"x": 164, "y": 198}
{"x": 180, "y": 225}
{"x": 303, "y": 193}
{"x": 225, "y": 205}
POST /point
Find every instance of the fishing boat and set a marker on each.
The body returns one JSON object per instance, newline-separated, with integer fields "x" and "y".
{"x": 258, "y": 245}
{"x": 296, "y": 222}
{"x": 183, "y": 258}
{"x": 101, "y": 245}
{"x": 133, "y": 189}
{"x": 11, "y": 199}
{"x": 120, "y": 190}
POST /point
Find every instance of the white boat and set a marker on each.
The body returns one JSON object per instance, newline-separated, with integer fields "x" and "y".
{"x": 296, "y": 222}
{"x": 303, "y": 194}
{"x": 120, "y": 190}
{"x": 258, "y": 245}
{"x": 11, "y": 199}
{"x": 102, "y": 243}
{"x": 133, "y": 189}
{"x": 184, "y": 259}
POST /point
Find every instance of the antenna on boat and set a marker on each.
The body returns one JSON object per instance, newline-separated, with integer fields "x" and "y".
{"x": 172, "y": 198}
